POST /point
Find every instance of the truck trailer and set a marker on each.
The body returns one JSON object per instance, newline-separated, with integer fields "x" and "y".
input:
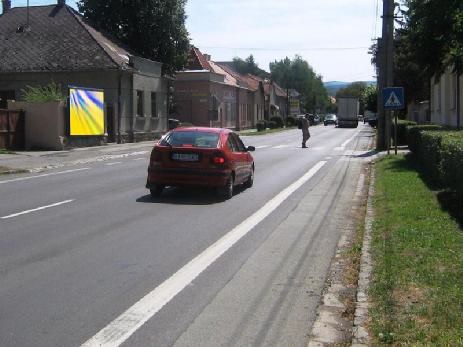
{"x": 348, "y": 110}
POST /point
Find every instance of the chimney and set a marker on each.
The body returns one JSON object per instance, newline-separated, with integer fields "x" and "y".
{"x": 61, "y": 2}
{"x": 6, "y": 5}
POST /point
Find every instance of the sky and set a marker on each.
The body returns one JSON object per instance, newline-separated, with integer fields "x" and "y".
{"x": 333, "y": 36}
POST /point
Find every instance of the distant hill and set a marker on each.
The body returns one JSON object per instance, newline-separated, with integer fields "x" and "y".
{"x": 333, "y": 86}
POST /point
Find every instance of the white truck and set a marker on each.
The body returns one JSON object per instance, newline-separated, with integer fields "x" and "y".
{"x": 348, "y": 110}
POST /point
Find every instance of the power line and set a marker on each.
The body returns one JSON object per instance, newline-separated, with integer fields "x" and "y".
{"x": 286, "y": 49}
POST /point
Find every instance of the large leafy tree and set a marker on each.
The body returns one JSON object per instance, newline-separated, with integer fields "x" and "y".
{"x": 250, "y": 66}
{"x": 153, "y": 29}
{"x": 298, "y": 74}
{"x": 355, "y": 89}
{"x": 435, "y": 30}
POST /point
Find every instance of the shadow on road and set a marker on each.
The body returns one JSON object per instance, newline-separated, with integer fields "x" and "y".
{"x": 187, "y": 196}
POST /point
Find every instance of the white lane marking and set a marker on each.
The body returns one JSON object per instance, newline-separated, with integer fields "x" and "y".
{"x": 120, "y": 329}
{"x": 345, "y": 143}
{"x": 136, "y": 159}
{"x": 329, "y": 158}
{"x": 115, "y": 163}
{"x": 265, "y": 146}
{"x": 318, "y": 148}
{"x": 43, "y": 175}
{"x": 37, "y": 209}
{"x": 281, "y": 146}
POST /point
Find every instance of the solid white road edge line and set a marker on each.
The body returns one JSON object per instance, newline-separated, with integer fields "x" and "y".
{"x": 115, "y": 163}
{"x": 43, "y": 175}
{"x": 349, "y": 140}
{"x": 37, "y": 209}
{"x": 120, "y": 329}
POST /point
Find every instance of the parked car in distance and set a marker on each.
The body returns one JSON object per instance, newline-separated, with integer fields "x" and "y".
{"x": 314, "y": 119}
{"x": 330, "y": 119}
{"x": 372, "y": 120}
{"x": 209, "y": 157}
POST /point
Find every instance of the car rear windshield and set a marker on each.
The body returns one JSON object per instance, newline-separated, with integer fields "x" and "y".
{"x": 191, "y": 139}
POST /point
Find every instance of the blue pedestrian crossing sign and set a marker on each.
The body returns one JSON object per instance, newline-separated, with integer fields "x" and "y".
{"x": 393, "y": 98}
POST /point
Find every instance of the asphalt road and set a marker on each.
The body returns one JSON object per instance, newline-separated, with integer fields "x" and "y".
{"x": 88, "y": 257}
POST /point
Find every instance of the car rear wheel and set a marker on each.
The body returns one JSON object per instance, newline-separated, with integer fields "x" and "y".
{"x": 156, "y": 191}
{"x": 250, "y": 181}
{"x": 226, "y": 192}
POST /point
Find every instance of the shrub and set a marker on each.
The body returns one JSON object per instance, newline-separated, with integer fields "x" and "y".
{"x": 401, "y": 131}
{"x": 451, "y": 166}
{"x": 278, "y": 121}
{"x": 414, "y": 135}
{"x": 261, "y": 125}
{"x": 272, "y": 124}
{"x": 290, "y": 121}
{"x": 430, "y": 155}
{"x": 51, "y": 92}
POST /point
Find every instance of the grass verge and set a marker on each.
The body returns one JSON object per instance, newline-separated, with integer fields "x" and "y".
{"x": 417, "y": 288}
{"x": 5, "y": 151}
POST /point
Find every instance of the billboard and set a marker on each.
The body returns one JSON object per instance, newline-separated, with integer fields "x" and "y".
{"x": 86, "y": 112}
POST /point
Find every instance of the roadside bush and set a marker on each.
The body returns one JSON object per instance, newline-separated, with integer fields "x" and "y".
{"x": 401, "y": 131}
{"x": 278, "y": 121}
{"x": 50, "y": 92}
{"x": 272, "y": 124}
{"x": 414, "y": 135}
{"x": 290, "y": 121}
{"x": 261, "y": 125}
{"x": 451, "y": 168}
{"x": 430, "y": 155}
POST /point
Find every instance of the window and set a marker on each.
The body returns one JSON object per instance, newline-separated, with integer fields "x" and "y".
{"x": 239, "y": 145}
{"x": 154, "y": 109}
{"x": 140, "y": 112}
{"x": 231, "y": 144}
{"x": 191, "y": 139}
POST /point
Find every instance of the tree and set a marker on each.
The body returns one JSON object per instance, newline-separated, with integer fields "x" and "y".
{"x": 355, "y": 89}
{"x": 153, "y": 29}
{"x": 298, "y": 74}
{"x": 435, "y": 28}
{"x": 248, "y": 66}
{"x": 369, "y": 98}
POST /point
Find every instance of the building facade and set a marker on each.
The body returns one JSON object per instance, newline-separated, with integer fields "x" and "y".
{"x": 58, "y": 46}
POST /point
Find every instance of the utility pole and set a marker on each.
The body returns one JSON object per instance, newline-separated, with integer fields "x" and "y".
{"x": 386, "y": 73}
{"x": 380, "y": 137}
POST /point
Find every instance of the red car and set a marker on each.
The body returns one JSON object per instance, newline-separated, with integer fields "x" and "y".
{"x": 210, "y": 157}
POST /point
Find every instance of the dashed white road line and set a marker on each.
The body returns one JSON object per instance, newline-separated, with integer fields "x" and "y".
{"x": 37, "y": 209}
{"x": 119, "y": 330}
{"x": 259, "y": 147}
{"x": 43, "y": 175}
{"x": 114, "y": 163}
{"x": 280, "y": 146}
{"x": 136, "y": 159}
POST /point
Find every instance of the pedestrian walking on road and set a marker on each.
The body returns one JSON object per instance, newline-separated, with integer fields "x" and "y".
{"x": 305, "y": 131}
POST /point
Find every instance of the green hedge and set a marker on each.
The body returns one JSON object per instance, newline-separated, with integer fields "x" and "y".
{"x": 261, "y": 125}
{"x": 278, "y": 121}
{"x": 440, "y": 154}
{"x": 414, "y": 135}
{"x": 401, "y": 131}
{"x": 430, "y": 155}
{"x": 451, "y": 167}
{"x": 290, "y": 121}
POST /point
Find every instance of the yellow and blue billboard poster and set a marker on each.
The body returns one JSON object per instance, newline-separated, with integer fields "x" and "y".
{"x": 86, "y": 111}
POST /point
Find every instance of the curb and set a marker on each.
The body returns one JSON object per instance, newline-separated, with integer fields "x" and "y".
{"x": 361, "y": 335}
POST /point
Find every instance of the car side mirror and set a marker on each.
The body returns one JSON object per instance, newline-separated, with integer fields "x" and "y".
{"x": 251, "y": 148}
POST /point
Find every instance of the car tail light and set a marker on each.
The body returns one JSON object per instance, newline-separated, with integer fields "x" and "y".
{"x": 218, "y": 159}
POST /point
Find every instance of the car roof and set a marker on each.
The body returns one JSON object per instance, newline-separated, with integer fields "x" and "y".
{"x": 203, "y": 130}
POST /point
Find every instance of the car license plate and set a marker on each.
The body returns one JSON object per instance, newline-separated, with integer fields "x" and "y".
{"x": 185, "y": 156}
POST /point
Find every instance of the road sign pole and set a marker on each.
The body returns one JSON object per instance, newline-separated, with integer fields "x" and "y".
{"x": 395, "y": 130}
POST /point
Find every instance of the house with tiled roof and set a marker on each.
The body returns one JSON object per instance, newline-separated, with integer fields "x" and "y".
{"x": 41, "y": 44}
{"x": 207, "y": 93}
